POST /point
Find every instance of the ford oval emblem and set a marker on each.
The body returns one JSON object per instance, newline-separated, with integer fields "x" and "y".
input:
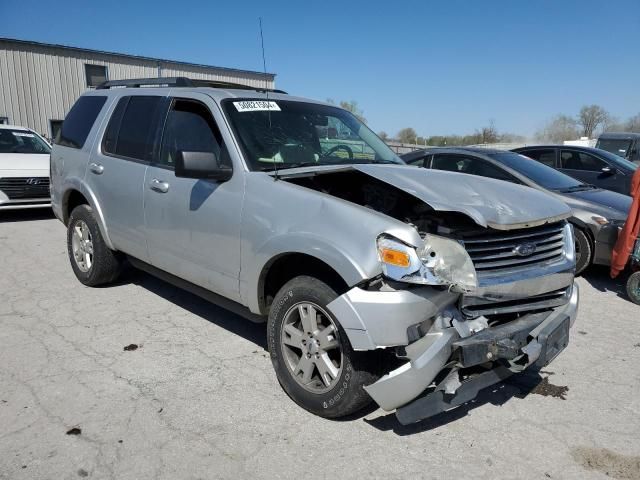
{"x": 525, "y": 249}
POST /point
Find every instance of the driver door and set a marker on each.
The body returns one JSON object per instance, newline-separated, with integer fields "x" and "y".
{"x": 192, "y": 225}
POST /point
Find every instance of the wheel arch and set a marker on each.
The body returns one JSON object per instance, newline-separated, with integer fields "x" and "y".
{"x": 76, "y": 194}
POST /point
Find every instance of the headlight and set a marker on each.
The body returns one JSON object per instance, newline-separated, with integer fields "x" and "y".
{"x": 439, "y": 261}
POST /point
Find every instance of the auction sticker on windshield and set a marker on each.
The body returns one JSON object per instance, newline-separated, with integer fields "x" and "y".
{"x": 256, "y": 106}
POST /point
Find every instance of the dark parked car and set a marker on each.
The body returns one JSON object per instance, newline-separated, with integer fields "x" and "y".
{"x": 597, "y": 213}
{"x": 624, "y": 144}
{"x": 590, "y": 165}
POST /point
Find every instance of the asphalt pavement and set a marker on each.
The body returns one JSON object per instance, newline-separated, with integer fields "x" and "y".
{"x": 141, "y": 380}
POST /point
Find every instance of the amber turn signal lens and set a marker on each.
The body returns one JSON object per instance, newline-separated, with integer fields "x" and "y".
{"x": 394, "y": 257}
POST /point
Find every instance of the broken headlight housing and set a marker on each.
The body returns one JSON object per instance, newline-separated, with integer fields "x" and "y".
{"x": 438, "y": 261}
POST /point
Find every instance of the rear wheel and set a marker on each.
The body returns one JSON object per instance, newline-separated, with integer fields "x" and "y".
{"x": 93, "y": 262}
{"x": 633, "y": 287}
{"x": 311, "y": 354}
{"x": 584, "y": 253}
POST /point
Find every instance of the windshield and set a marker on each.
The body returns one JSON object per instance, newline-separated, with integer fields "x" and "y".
{"x": 544, "y": 176}
{"x": 287, "y": 134}
{"x": 21, "y": 141}
{"x": 617, "y": 160}
{"x": 619, "y": 146}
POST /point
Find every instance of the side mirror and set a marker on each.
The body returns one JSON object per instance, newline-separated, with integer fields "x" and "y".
{"x": 202, "y": 165}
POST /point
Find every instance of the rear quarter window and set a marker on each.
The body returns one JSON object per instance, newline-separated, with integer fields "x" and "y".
{"x": 78, "y": 122}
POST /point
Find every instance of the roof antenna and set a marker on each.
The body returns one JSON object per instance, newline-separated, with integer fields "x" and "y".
{"x": 266, "y": 91}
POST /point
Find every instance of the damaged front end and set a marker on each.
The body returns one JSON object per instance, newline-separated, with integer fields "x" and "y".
{"x": 485, "y": 289}
{"x": 463, "y": 319}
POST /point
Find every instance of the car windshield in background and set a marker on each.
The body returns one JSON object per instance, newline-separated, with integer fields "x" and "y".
{"x": 618, "y": 161}
{"x": 287, "y": 134}
{"x": 21, "y": 141}
{"x": 615, "y": 146}
{"x": 544, "y": 176}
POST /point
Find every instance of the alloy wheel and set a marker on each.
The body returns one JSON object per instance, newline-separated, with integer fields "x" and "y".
{"x": 311, "y": 347}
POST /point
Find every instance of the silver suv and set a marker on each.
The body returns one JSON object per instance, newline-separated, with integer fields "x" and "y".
{"x": 378, "y": 280}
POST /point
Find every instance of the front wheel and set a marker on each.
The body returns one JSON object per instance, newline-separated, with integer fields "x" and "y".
{"x": 633, "y": 288}
{"x": 311, "y": 354}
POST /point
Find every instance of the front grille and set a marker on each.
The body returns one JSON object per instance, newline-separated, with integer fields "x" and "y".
{"x": 496, "y": 251}
{"x": 25, "y": 187}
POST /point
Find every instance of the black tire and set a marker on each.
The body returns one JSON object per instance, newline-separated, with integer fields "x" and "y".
{"x": 584, "y": 252}
{"x": 105, "y": 265}
{"x": 347, "y": 395}
{"x": 633, "y": 287}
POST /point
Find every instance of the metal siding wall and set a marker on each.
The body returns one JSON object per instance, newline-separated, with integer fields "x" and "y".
{"x": 40, "y": 83}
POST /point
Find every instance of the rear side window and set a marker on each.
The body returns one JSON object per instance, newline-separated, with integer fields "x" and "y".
{"x": 132, "y": 128}
{"x": 79, "y": 120}
{"x": 545, "y": 156}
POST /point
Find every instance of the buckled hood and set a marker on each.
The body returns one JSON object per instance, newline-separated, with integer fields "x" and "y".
{"x": 490, "y": 203}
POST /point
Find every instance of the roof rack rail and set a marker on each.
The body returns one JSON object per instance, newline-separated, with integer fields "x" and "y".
{"x": 178, "y": 82}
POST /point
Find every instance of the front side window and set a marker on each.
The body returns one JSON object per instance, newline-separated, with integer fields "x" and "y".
{"x": 191, "y": 128}
{"x": 132, "y": 127}
{"x": 78, "y": 122}
{"x": 22, "y": 141}
{"x": 95, "y": 74}
{"x": 286, "y": 134}
{"x": 545, "y": 156}
{"x": 573, "y": 160}
{"x": 470, "y": 165}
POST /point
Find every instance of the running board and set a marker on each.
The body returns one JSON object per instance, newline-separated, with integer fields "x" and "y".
{"x": 208, "y": 295}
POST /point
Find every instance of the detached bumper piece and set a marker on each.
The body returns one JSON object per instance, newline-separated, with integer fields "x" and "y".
{"x": 533, "y": 340}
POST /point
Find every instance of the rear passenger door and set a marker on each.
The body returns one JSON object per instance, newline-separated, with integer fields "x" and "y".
{"x": 116, "y": 171}
{"x": 193, "y": 226}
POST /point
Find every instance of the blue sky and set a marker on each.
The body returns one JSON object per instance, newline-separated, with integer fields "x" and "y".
{"x": 439, "y": 67}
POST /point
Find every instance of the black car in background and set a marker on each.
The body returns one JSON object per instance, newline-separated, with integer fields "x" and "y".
{"x": 597, "y": 213}
{"x": 590, "y": 165}
{"x": 624, "y": 144}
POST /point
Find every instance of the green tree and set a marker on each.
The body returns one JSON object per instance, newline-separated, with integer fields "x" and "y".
{"x": 407, "y": 135}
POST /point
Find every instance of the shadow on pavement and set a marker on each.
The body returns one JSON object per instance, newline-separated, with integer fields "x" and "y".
{"x": 518, "y": 386}
{"x": 254, "y": 332}
{"x": 599, "y": 278}
{"x": 27, "y": 215}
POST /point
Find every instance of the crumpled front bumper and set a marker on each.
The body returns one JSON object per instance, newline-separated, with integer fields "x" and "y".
{"x": 533, "y": 339}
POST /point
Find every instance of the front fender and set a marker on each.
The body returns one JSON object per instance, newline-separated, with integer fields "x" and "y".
{"x": 352, "y": 270}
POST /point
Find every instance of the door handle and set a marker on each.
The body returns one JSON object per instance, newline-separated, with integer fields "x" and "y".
{"x": 158, "y": 186}
{"x": 96, "y": 168}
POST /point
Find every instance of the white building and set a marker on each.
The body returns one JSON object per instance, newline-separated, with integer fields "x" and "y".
{"x": 40, "y": 82}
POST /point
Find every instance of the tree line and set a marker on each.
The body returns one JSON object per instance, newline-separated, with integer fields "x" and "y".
{"x": 590, "y": 121}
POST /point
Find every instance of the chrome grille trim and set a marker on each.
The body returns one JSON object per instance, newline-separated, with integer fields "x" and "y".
{"x": 494, "y": 252}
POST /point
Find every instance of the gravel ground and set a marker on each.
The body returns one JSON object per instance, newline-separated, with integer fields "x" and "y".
{"x": 141, "y": 380}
